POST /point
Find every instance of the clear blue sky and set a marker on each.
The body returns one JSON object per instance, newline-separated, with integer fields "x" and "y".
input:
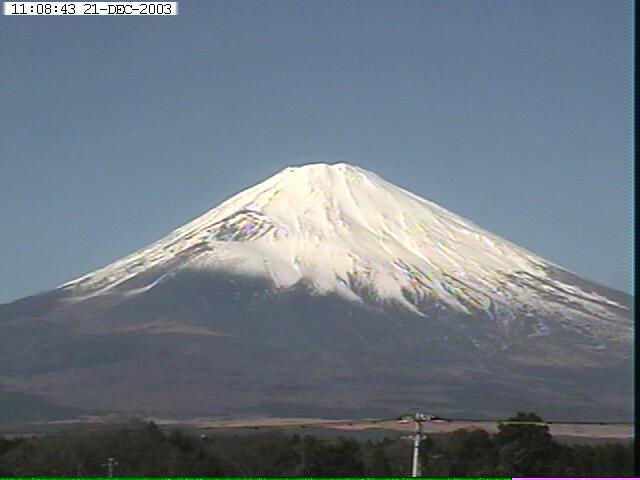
{"x": 514, "y": 114}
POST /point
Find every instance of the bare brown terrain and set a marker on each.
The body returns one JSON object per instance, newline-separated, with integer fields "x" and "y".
{"x": 613, "y": 431}
{"x": 617, "y": 431}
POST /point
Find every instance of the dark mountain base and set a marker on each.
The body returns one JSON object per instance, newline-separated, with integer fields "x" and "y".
{"x": 201, "y": 345}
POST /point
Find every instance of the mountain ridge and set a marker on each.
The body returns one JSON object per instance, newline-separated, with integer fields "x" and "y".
{"x": 337, "y": 224}
{"x": 324, "y": 286}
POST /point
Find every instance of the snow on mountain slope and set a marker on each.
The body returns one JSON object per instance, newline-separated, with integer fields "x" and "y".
{"x": 343, "y": 229}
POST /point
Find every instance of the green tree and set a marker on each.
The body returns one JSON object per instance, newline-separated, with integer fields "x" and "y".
{"x": 376, "y": 461}
{"x": 470, "y": 452}
{"x": 341, "y": 457}
{"x": 525, "y": 447}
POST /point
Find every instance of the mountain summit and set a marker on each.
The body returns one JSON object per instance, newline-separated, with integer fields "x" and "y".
{"x": 345, "y": 230}
{"x": 318, "y": 265}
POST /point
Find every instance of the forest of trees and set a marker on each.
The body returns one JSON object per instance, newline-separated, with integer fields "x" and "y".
{"x": 516, "y": 450}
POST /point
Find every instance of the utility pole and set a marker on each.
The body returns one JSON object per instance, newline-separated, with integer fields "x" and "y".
{"x": 418, "y": 419}
{"x": 111, "y": 462}
{"x": 415, "y": 464}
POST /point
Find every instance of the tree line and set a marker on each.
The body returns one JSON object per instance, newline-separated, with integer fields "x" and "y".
{"x": 522, "y": 450}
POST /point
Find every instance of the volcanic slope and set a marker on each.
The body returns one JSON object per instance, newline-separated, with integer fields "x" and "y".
{"x": 324, "y": 290}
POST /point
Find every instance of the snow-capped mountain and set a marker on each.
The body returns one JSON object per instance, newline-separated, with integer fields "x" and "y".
{"x": 341, "y": 229}
{"x": 331, "y": 258}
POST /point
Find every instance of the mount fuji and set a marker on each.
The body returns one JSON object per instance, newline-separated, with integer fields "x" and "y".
{"x": 323, "y": 291}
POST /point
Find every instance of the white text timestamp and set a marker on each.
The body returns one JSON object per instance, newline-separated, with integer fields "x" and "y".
{"x": 90, "y": 8}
